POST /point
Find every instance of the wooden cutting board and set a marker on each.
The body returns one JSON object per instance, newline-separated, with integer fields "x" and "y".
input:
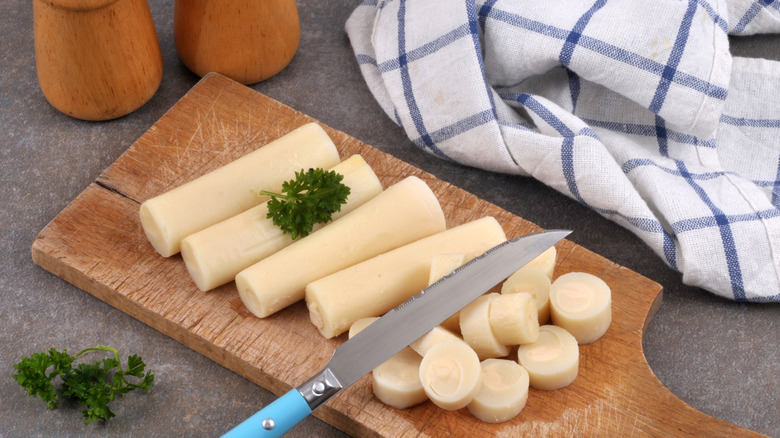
{"x": 97, "y": 244}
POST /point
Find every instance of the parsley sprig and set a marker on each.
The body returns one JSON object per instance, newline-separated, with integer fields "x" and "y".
{"x": 93, "y": 385}
{"x": 311, "y": 198}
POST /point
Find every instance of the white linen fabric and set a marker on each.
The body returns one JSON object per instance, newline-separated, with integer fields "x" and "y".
{"x": 636, "y": 109}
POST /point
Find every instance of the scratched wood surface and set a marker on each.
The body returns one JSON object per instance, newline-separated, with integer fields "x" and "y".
{"x": 97, "y": 244}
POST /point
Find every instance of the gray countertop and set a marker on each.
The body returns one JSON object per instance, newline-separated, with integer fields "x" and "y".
{"x": 720, "y": 357}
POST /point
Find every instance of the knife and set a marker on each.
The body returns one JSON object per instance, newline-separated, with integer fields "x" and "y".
{"x": 394, "y": 331}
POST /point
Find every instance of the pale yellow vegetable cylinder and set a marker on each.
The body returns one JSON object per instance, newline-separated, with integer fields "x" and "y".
{"x": 476, "y": 330}
{"x": 553, "y": 360}
{"x": 381, "y": 283}
{"x": 215, "y": 255}
{"x": 232, "y": 188}
{"x": 451, "y": 375}
{"x": 444, "y": 264}
{"x": 441, "y": 265}
{"x": 535, "y": 282}
{"x": 581, "y": 303}
{"x": 513, "y": 318}
{"x": 405, "y": 212}
{"x": 359, "y": 325}
{"x": 503, "y": 392}
{"x": 396, "y": 382}
{"x": 437, "y": 335}
{"x": 545, "y": 261}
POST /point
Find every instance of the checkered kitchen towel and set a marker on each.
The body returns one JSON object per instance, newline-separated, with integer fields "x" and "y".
{"x": 634, "y": 108}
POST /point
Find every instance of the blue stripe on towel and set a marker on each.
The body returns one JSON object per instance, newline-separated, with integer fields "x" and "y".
{"x": 776, "y": 190}
{"x": 574, "y": 36}
{"x": 751, "y": 13}
{"x": 727, "y": 237}
{"x": 674, "y": 59}
{"x": 756, "y": 123}
{"x": 411, "y": 103}
{"x": 611, "y": 51}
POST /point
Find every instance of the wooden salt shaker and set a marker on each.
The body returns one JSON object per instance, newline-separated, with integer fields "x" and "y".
{"x": 96, "y": 59}
{"x": 246, "y": 40}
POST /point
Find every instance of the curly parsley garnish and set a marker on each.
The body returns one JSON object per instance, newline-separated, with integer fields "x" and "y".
{"x": 93, "y": 385}
{"x": 311, "y": 198}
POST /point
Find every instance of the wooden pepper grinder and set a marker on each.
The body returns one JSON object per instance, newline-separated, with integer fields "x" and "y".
{"x": 96, "y": 59}
{"x": 246, "y": 40}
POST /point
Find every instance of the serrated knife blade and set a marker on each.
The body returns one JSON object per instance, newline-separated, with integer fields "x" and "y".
{"x": 396, "y": 330}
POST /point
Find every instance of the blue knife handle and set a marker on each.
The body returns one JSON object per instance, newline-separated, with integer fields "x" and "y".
{"x": 275, "y": 419}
